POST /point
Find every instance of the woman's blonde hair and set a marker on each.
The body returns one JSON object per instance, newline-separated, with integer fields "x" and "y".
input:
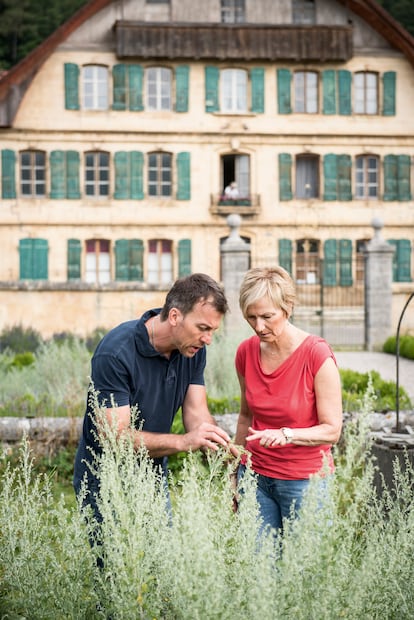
{"x": 272, "y": 282}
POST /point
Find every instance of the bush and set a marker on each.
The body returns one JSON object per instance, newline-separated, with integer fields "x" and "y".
{"x": 406, "y": 346}
{"x": 355, "y": 385}
{"x": 19, "y": 339}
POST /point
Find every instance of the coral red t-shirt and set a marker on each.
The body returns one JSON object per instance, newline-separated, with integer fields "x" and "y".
{"x": 285, "y": 397}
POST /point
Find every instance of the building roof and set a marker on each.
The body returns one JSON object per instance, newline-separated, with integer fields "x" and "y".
{"x": 14, "y": 82}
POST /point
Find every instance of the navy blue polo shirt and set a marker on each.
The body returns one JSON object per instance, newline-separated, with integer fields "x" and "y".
{"x": 127, "y": 370}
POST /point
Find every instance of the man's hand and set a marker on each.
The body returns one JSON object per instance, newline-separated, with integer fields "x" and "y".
{"x": 208, "y": 436}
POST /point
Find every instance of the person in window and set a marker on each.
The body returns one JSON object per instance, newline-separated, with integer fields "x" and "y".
{"x": 231, "y": 192}
{"x": 291, "y": 403}
{"x": 155, "y": 363}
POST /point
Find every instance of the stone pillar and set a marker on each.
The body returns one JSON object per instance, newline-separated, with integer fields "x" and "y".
{"x": 378, "y": 256}
{"x": 235, "y": 261}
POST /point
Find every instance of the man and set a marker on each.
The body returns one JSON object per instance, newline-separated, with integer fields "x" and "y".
{"x": 156, "y": 363}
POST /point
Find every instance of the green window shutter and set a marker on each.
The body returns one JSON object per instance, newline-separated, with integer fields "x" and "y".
{"x": 57, "y": 174}
{"x": 285, "y": 176}
{"x": 388, "y": 93}
{"x": 344, "y": 91}
{"x": 136, "y": 79}
{"x": 404, "y": 261}
{"x": 330, "y": 177}
{"x": 285, "y": 254}
{"x": 394, "y": 243}
{"x": 284, "y": 78}
{"x": 390, "y": 177}
{"x": 183, "y": 174}
{"x": 121, "y": 163}
{"x": 184, "y": 257}
{"x": 345, "y": 262}
{"x": 257, "y": 82}
{"x": 404, "y": 174}
{"x": 74, "y": 259}
{"x": 72, "y": 175}
{"x": 119, "y": 87}
{"x": 71, "y": 86}
{"x": 136, "y": 260}
{"x": 137, "y": 175}
{"x": 181, "y": 88}
{"x": 329, "y": 262}
{"x": 329, "y": 91}
{"x": 8, "y": 174}
{"x": 344, "y": 166}
{"x": 122, "y": 259}
{"x": 211, "y": 86}
{"x": 25, "y": 259}
{"x": 39, "y": 258}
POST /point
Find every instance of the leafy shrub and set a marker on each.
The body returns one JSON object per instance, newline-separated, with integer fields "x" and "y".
{"x": 19, "y": 339}
{"x": 355, "y": 385}
{"x": 22, "y": 359}
{"x": 406, "y": 346}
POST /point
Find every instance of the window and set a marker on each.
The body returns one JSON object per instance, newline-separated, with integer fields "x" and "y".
{"x": 129, "y": 259}
{"x": 303, "y": 12}
{"x": 237, "y": 168}
{"x": 32, "y": 173}
{"x": 233, "y": 90}
{"x": 97, "y": 174}
{"x": 159, "y": 174}
{"x": 33, "y": 254}
{"x": 95, "y": 87}
{"x": 337, "y": 262}
{"x": 233, "y": 11}
{"x": 307, "y": 261}
{"x": 366, "y": 176}
{"x": 98, "y": 269}
{"x": 397, "y": 177}
{"x": 365, "y": 93}
{"x": 159, "y": 80}
{"x": 306, "y": 91}
{"x": 401, "y": 260}
{"x": 160, "y": 261}
{"x": 307, "y": 176}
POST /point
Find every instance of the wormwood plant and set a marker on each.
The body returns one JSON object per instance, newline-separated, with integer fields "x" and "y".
{"x": 349, "y": 557}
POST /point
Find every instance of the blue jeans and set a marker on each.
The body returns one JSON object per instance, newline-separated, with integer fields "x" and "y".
{"x": 279, "y": 499}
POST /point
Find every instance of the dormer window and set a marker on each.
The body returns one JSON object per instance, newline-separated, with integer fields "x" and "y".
{"x": 233, "y": 11}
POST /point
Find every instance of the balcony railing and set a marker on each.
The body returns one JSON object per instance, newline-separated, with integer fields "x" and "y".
{"x": 244, "y": 205}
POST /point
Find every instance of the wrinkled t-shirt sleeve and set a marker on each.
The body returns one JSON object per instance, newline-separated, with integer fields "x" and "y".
{"x": 320, "y": 352}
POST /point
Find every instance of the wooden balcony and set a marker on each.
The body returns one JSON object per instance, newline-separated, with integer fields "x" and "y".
{"x": 220, "y": 205}
{"x": 248, "y": 42}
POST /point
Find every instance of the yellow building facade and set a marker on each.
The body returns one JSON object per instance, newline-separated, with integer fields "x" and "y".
{"x": 120, "y": 134}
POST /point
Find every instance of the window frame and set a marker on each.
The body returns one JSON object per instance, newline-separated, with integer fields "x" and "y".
{"x": 303, "y": 12}
{"x": 307, "y": 261}
{"x": 33, "y": 168}
{"x": 362, "y": 99}
{"x": 362, "y": 177}
{"x": 305, "y": 95}
{"x": 160, "y": 263}
{"x": 101, "y": 272}
{"x": 159, "y": 182}
{"x": 98, "y": 84}
{"x": 233, "y": 92}
{"x": 300, "y": 159}
{"x": 98, "y": 170}
{"x": 155, "y": 101}
{"x": 233, "y": 11}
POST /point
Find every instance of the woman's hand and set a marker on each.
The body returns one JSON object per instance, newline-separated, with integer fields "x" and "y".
{"x": 269, "y": 437}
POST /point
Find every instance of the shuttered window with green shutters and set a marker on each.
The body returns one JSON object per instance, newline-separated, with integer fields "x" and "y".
{"x": 258, "y": 87}
{"x": 212, "y": 75}
{"x": 183, "y": 176}
{"x": 119, "y": 96}
{"x": 285, "y": 176}
{"x": 344, "y": 92}
{"x": 389, "y": 80}
{"x": 285, "y": 254}
{"x": 181, "y": 88}
{"x": 401, "y": 262}
{"x": 8, "y": 174}
{"x": 397, "y": 185}
{"x": 74, "y": 259}
{"x": 329, "y": 91}
{"x": 64, "y": 173}
{"x": 129, "y": 260}
{"x": 33, "y": 255}
{"x": 184, "y": 257}
{"x": 329, "y": 262}
{"x": 284, "y": 78}
{"x": 337, "y": 177}
{"x": 129, "y": 182}
{"x": 71, "y": 86}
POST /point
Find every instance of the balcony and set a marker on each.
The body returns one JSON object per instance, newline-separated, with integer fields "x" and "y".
{"x": 244, "y": 205}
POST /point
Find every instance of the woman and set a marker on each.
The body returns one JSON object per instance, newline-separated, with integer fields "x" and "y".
{"x": 291, "y": 405}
